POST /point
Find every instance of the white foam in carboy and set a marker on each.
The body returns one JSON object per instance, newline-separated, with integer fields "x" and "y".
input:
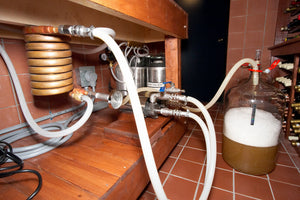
{"x": 264, "y": 133}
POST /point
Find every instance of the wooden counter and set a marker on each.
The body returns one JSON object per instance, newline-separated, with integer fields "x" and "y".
{"x": 90, "y": 166}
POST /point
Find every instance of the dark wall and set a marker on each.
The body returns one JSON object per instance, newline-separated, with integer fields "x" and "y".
{"x": 204, "y": 53}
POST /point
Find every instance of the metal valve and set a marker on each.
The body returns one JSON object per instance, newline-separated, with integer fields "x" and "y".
{"x": 115, "y": 99}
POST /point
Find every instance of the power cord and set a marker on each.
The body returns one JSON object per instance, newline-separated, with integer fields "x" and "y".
{"x": 6, "y": 153}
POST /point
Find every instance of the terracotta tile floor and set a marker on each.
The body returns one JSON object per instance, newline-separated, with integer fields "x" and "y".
{"x": 183, "y": 172}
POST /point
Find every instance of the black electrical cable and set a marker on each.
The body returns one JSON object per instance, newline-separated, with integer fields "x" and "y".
{"x": 6, "y": 153}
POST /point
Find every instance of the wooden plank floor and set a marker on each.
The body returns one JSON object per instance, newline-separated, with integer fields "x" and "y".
{"x": 91, "y": 166}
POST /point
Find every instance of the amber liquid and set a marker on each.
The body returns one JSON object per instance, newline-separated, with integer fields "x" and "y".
{"x": 249, "y": 159}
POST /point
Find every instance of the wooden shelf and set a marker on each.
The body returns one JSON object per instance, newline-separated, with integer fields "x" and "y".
{"x": 290, "y": 47}
{"x": 90, "y": 166}
{"x": 133, "y": 20}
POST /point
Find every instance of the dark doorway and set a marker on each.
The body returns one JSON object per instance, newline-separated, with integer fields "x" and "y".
{"x": 204, "y": 53}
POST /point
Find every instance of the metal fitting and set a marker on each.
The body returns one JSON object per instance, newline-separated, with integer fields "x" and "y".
{"x": 166, "y": 96}
{"x": 98, "y": 95}
{"x": 178, "y": 97}
{"x": 170, "y": 112}
{"x": 115, "y": 99}
{"x": 76, "y": 30}
{"x": 174, "y": 90}
{"x": 154, "y": 96}
{"x": 171, "y": 89}
{"x": 77, "y": 93}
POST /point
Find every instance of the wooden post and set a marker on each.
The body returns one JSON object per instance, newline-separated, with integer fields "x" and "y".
{"x": 173, "y": 60}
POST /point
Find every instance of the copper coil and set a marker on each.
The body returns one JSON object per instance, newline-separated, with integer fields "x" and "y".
{"x": 49, "y": 62}
{"x": 49, "y": 54}
{"x": 52, "y": 84}
{"x": 52, "y": 91}
{"x": 50, "y": 70}
{"x": 51, "y": 77}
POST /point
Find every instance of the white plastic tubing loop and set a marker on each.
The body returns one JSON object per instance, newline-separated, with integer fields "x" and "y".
{"x": 211, "y": 146}
{"x": 26, "y": 111}
{"x": 207, "y": 184}
{"x": 137, "y": 112}
{"x": 228, "y": 77}
{"x": 109, "y": 31}
{"x": 225, "y": 82}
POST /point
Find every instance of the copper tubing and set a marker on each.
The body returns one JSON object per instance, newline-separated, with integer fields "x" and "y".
{"x": 52, "y": 91}
{"x": 51, "y": 77}
{"x": 49, "y": 62}
{"x": 47, "y": 46}
{"x": 52, "y": 84}
{"x": 41, "y": 29}
{"x": 49, "y": 54}
{"x": 50, "y": 70}
{"x": 49, "y": 58}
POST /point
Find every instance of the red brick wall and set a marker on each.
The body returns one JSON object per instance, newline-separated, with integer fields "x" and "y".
{"x": 252, "y": 25}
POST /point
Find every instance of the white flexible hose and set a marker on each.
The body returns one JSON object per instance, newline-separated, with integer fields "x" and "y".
{"x": 208, "y": 176}
{"x": 225, "y": 82}
{"x": 211, "y": 148}
{"x": 114, "y": 76}
{"x": 142, "y": 89}
{"x": 137, "y": 112}
{"x": 89, "y": 51}
{"x": 26, "y": 111}
{"x": 128, "y": 50}
{"x": 144, "y": 48}
{"x": 97, "y": 49}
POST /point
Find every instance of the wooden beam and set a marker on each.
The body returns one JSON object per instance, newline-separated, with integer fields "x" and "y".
{"x": 57, "y": 12}
{"x": 134, "y": 20}
{"x": 164, "y": 15}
